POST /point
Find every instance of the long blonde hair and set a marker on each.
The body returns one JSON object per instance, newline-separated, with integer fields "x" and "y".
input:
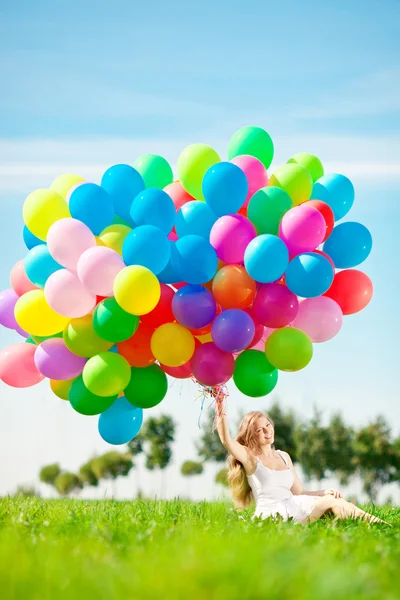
{"x": 237, "y": 479}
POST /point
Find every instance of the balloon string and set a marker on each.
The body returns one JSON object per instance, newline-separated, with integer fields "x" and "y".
{"x": 217, "y": 394}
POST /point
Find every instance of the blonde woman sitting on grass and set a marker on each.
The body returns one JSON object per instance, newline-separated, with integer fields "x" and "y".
{"x": 258, "y": 471}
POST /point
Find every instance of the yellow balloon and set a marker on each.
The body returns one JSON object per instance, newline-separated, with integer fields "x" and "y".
{"x": 63, "y": 183}
{"x": 137, "y": 290}
{"x": 172, "y": 344}
{"x": 41, "y": 209}
{"x": 295, "y": 180}
{"x": 99, "y": 241}
{"x": 61, "y": 388}
{"x": 35, "y": 316}
{"x": 114, "y": 236}
{"x": 207, "y": 337}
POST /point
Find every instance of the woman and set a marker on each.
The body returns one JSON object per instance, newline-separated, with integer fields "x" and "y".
{"x": 257, "y": 470}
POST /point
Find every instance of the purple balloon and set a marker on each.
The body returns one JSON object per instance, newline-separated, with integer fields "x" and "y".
{"x": 194, "y": 306}
{"x": 55, "y": 361}
{"x": 8, "y": 300}
{"x": 211, "y": 366}
{"x": 275, "y": 305}
{"x": 233, "y": 330}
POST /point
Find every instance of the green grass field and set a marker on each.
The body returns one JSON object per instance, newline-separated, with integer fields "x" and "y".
{"x": 51, "y": 550}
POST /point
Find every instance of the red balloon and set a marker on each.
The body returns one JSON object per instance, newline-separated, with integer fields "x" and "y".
{"x": 259, "y": 328}
{"x": 137, "y": 350}
{"x": 326, "y": 256}
{"x": 326, "y": 212}
{"x": 352, "y": 290}
{"x": 178, "y": 194}
{"x": 162, "y": 313}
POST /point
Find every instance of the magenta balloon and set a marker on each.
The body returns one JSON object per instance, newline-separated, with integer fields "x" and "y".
{"x": 17, "y": 366}
{"x": 211, "y": 366}
{"x": 230, "y": 235}
{"x": 275, "y": 305}
{"x": 67, "y": 295}
{"x": 67, "y": 240}
{"x": 8, "y": 300}
{"x": 55, "y": 361}
{"x": 98, "y": 268}
{"x": 256, "y": 173}
{"x": 302, "y": 228}
{"x": 320, "y": 318}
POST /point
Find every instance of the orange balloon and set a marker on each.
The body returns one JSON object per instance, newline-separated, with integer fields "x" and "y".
{"x": 208, "y": 285}
{"x": 233, "y": 287}
{"x": 136, "y": 350}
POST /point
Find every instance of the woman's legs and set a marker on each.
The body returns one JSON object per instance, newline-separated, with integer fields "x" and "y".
{"x": 341, "y": 509}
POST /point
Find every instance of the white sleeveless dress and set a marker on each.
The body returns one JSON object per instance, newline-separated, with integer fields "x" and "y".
{"x": 271, "y": 490}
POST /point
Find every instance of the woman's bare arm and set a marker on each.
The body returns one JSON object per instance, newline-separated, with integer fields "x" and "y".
{"x": 297, "y": 487}
{"x": 237, "y": 450}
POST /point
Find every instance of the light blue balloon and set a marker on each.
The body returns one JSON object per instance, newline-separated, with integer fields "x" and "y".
{"x": 30, "y": 240}
{"x": 114, "y": 349}
{"x": 148, "y": 246}
{"x": 92, "y": 205}
{"x": 120, "y": 423}
{"x": 337, "y": 191}
{"x": 266, "y": 258}
{"x": 194, "y": 259}
{"x": 195, "y": 218}
{"x": 170, "y": 274}
{"x": 39, "y": 265}
{"x": 309, "y": 275}
{"x": 154, "y": 207}
{"x": 123, "y": 183}
{"x": 225, "y": 188}
{"x": 348, "y": 245}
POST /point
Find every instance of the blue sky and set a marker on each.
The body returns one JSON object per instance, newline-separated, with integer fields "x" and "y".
{"x": 86, "y": 85}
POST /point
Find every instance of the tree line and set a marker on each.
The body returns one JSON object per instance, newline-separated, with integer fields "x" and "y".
{"x": 321, "y": 450}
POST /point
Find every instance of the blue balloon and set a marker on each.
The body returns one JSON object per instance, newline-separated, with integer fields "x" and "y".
{"x": 123, "y": 183}
{"x": 309, "y": 275}
{"x": 30, "y": 240}
{"x": 225, "y": 188}
{"x": 337, "y": 191}
{"x": 194, "y": 259}
{"x": 194, "y": 306}
{"x": 170, "y": 274}
{"x": 148, "y": 246}
{"x": 39, "y": 265}
{"x": 121, "y": 422}
{"x": 114, "y": 349}
{"x": 233, "y": 330}
{"x": 266, "y": 258}
{"x": 348, "y": 245}
{"x": 154, "y": 207}
{"x": 195, "y": 218}
{"x": 92, "y": 205}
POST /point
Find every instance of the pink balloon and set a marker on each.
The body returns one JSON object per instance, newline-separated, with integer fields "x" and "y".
{"x": 173, "y": 236}
{"x": 67, "y": 240}
{"x": 260, "y": 345}
{"x": 230, "y": 235}
{"x": 320, "y": 318}
{"x": 256, "y": 173}
{"x": 178, "y": 194}
{"x": 275, "y": 305}
{"x": 98, "y": 268}
{"x": 211, "y": 366}
{"x": 55, "y": 361}
{"x": 302, "y": 229}
{"x": 67, "y": 295}
{"x": 17, "y": 366}
{"x": 183, "y": 372}
{"x": 19, "y": 279}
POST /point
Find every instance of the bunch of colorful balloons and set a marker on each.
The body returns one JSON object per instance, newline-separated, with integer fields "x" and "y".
{"x": 225, "y": 272}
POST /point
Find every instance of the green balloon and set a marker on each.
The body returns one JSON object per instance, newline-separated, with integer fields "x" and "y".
{"x": 39, "y": 339}
{"x": 30, "y": 340}
{"x": 310, "y": 162}
{"x": 193, "y": 164}
{"x": 86, "y": 403}
{"x": 155, "y": 170}
{"x": 254, "y": 375}
{"x": 81, "y": 338}
{"x": 118, "y": 221}
{"x": 266, "y": 209}
{"x": 112, "y": 323}
{"x": 106, "y": 374}
{"x": 147, "y": 387}
{"x": 289, "y": 349}
{"x": 253, "y": 141}
{"x": 295, "y": 180}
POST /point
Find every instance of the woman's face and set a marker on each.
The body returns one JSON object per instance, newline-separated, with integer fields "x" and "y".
{"x": 264, "y": 431}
